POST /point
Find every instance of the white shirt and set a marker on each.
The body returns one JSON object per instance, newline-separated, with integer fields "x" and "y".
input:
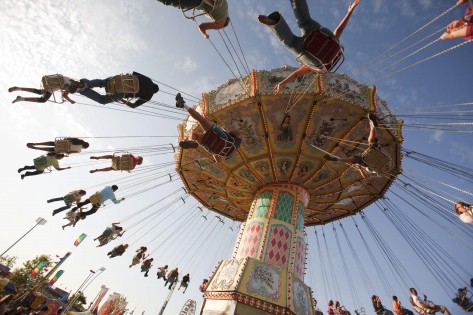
{"x": 76, "y": 148}
{"x": 466, "y": 217}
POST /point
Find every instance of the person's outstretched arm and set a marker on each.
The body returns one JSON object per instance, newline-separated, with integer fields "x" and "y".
{"x": 339, "y": 30}
{"x": 299, "y": 72}
{"x": 66, "y": 96}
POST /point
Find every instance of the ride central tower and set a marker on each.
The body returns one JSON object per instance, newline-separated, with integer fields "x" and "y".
{"x": 278, "y": 182}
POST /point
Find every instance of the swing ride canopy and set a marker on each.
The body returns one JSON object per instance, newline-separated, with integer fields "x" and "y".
{"x": 284, "y": 139}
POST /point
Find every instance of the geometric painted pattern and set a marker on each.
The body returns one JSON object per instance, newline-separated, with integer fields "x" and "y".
{"x": 278, "y": 249}
{"x": 250, "y": 241}
{"x": 300, "y": 218}
{"x": 299, "y": 266}
{"x": 284, "y": 207}
{"x": 262, "y": 205}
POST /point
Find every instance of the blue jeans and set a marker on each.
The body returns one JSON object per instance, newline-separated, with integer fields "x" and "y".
{"x": 97, "y": 97}
{"x": 292, "y": 42}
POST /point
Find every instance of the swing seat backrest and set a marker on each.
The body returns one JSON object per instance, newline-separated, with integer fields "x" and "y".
{"x": 378, "y": 160}
{"x": 122, "y": 163}
{"x": 213, "y": 143}
{"x": 52, "y": 82}
{"x": 323, "y": 46}
{"x": 95, "y": 199}
{"x": 40, "y": 163}
{"x": 62, "y": 146}
{"x": 123, "y": 84}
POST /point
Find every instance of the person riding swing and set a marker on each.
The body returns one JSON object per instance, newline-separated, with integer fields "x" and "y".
{"x": 121, "y": 88}
{"x": 60, "y": 145}
{"x": 374, "y": 160}
{"x": 318, "y": 49}
{"x": 124, "y": 162}
{"x": 216, "y": 140}
{"x": 49, "y": 85}
{"x": 216, "y": 10}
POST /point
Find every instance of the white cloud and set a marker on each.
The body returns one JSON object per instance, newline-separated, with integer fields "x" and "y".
{"x": 187, "y": 65}
{"x": 436, "y": 136}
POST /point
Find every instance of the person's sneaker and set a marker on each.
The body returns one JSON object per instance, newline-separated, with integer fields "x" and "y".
{"x": 187, "y": 144}
{"x": 12, "y": 89}
{"x": 49, "y": 201}
{"x": 373, "y": 119}
{"x": 20, "y": 170}
{"x": 55, "y": 212}
{"x": 180, "y": 101}
{"x": 22, "y": 176}
{"x": 330, "y": 158}
{"x": 17, "y": 99}
{"x": 92, "y": 171}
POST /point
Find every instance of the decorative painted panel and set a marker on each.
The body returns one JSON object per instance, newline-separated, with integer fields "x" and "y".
{"x": 251, "y": 240}
{"x": 284, "y": 207}
{"x": 262, "y": 205}
{"x": 265, "y": 281}
{"x": 278, "y": 249}
{"x": 299, "y": 266}
{"x": 300, "y": 218}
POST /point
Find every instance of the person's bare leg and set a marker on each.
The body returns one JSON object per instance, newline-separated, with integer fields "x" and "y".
{"x": 31, "y": 90}
{"x": 101, "y": 157}
{"x": 204, "y": 122}
{"x": 372, "y": 138}
{"x": 106, "y": 169}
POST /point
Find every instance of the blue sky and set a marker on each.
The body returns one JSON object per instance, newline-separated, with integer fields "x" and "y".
{"x": 94, "y": 39}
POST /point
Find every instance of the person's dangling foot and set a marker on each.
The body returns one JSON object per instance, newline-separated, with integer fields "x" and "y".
{"x": 271, "y": 19}
{"x": 203, "y": 32}
{"x": 17, "y": 99}
{"x": 179, "y": 101}
{"x": 188, "y": 144}
{"x": 373, "y": 120}
{"x": 56, "y": 212}
{"x": 92, "y": 171}
{"x": 330, "y": 158}
{"x": 13, "y": 89}
{"x": 20, "y": 170}
{"x": 94, "y": 158}
{"x": 22, "y": 176}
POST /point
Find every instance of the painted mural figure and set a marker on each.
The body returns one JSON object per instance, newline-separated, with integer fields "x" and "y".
{"x": 222, "y": 144}
{"x": 216, "y": 10}
{"x": 364, "y": 162}
{"x": 283, "y": 33}
{"x": 285, "y": 130}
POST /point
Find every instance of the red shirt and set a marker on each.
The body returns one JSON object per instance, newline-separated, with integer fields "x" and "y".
{"x": 134, "y": 161}
{"x": 469, "y": 28}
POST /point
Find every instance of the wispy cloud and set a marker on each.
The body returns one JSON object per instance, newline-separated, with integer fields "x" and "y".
{"x": 187, "y": 65}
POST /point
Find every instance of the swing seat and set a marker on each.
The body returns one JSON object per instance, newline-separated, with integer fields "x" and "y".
{"x": 325, "y": 48}
{"x": 62, "y": 146}
{"x": 40, "y": 163}
{"x": 377, "y": 160}
{"x": 219, "y": 143}
{"x": 213, "y": 4}
{"x": 95, "y": 199}
{"x": 52, "y": 82}
{"x": 123, "y": 84}
{"x": 122, "y": 163}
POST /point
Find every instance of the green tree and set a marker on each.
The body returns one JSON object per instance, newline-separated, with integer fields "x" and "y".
{"x": 8, "y": 261}
{"x": 22, "y": 275}
{"x": 81, "y": 300}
